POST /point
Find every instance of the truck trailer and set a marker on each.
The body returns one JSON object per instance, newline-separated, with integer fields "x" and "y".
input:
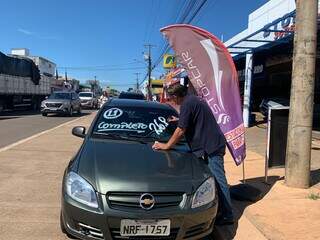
{"x": 21, "y": 84}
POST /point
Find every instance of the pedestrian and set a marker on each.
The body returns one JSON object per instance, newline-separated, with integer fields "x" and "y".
{"x": 197, "y": 123}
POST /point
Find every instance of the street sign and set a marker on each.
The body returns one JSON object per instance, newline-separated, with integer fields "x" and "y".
{"x": 169, "y": 61}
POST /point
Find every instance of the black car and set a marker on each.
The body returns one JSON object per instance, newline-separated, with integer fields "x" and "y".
{"x": 131, "y": 95}
{"x": 118, "y": 187}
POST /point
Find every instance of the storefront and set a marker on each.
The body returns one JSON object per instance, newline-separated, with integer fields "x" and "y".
{"x": 263, "y": 57}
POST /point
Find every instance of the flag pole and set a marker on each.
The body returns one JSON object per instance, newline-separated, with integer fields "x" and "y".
{"x": 243, "y": 173}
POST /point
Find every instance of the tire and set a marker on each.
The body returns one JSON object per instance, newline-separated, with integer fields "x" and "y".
{"x": 70, "y": 112}
{"x": 45, "y": 114}
{"x": 79, "y": 110}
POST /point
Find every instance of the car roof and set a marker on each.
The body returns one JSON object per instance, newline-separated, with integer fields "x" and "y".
{"x": 64, "y": 92}
{"x": 131, "y": 95}
{"x": 116, "y": 102}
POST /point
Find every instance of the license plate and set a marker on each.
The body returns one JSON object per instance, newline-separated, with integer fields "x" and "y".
{"x": 145, "y": 227}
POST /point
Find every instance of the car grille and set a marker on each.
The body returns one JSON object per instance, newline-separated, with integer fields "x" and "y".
{"x": 53, "y": 105}
{"x": 130, "y": 200}
{"x": 115, "y": 233}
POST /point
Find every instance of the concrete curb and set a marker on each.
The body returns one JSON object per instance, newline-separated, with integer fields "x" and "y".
{"x": 39, "y": 134}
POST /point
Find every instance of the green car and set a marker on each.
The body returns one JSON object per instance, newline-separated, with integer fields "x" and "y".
{"x": 118, "y": 187}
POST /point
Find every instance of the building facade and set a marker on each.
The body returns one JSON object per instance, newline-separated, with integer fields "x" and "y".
{"x": 263, "y": 56}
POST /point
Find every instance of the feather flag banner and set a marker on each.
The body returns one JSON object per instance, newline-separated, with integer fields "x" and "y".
{"x": 212, "y": 73}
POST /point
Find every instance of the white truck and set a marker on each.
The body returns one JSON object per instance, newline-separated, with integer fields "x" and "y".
{"x": 21, "y": 83}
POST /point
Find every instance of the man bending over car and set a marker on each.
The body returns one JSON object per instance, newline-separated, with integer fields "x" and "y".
{"x": 206, "y": 140}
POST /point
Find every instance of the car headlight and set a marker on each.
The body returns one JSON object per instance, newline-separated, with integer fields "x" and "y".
{"x": 205, "y": 193}
{"x": 80, "y": 190}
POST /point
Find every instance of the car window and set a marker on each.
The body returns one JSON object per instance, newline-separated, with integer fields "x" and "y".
{"x": 151, "y": 123}
{"x": 137, "y": 96}
{"x": 85, "y": 94}
{"x": 60, "y": 95}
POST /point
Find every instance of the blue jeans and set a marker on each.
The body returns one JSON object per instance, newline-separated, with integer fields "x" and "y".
{"x": 216, "y": 166}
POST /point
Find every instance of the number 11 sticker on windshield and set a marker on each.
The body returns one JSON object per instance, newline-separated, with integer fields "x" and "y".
{"x": 112, "y": 113}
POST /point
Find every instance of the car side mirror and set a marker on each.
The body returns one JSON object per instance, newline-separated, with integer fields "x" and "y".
{"x": 79, "y": 131}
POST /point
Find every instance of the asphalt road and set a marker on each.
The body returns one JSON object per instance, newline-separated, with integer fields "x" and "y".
{"x": 15, "y": 126}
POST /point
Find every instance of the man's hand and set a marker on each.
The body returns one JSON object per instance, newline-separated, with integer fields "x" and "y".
{"x": 173, "y": 119}
{"x": 160, "y": 146}
{"x": 178, "y": 133}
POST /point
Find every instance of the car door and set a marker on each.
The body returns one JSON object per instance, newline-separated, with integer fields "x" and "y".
{"x": 78, "y": 100}
{"x": 74, "y": 103}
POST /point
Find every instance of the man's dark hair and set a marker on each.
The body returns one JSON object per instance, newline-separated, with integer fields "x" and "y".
{"x": 178, "y": 90}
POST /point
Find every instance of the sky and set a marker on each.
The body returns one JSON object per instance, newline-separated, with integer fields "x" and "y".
{"x": 105, "y": 38}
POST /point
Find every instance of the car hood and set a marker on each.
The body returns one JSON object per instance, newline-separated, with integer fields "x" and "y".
{"x": 56, "y": 101}
{"x": 112, "y": 165}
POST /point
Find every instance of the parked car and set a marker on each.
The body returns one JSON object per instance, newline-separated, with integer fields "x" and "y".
{"x": 88, "y": 100}
{"x": 131, "y": 95}
{"x": 61, "y": 102}
{"x": 118, "y": 187}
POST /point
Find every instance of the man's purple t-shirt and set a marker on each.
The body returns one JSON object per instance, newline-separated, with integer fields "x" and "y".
{"x": 202, "y": 131}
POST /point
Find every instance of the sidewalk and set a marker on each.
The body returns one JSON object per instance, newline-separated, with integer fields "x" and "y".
{"x": 282, "y": 213}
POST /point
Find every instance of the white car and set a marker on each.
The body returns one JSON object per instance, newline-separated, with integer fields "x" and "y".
{"x": 88, "y": 100}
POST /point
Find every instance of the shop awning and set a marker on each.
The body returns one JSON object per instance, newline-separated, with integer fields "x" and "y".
{"x": 277, "y": 32}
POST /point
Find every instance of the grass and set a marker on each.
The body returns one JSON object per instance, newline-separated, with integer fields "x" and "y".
{"x": 314, "y": 196}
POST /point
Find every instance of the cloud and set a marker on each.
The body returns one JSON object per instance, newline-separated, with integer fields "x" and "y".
{"x": 29, "y": 33}
{"x": 24, "y": 31}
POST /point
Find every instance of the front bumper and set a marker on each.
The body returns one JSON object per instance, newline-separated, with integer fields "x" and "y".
{"x": 86, "y": 223}
{"x": 54, "y": 110}
{"x": 86, "y": 104}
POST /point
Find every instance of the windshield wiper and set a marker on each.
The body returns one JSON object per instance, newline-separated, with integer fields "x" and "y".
{"x": 120, "y": 137}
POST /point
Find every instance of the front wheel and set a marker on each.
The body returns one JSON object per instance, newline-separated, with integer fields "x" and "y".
{"x": 44, "y": 114}
{"x": 71, "y": 112}
{"x": 79, "y": 110}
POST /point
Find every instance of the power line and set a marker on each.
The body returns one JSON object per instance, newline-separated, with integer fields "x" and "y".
{"x": 210, "y": 4}
{"x": 191, "y": 4}
{"x": 103, "y": 69}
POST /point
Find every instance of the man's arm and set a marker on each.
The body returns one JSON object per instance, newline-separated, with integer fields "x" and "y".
{"x": 178, "y": 133}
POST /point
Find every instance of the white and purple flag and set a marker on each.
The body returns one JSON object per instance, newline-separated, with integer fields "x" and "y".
{"x": 212, "y": 73}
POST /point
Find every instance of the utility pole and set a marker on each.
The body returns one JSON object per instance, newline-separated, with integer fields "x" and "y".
{"x": 66, "y": 75}
{"x": 137, "y": 80}
{"x": 298, "y": 152}
{"x": 94, "y": 84}
{"x": 149, "y": 46}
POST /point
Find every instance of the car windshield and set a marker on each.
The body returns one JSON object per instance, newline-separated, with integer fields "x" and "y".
{"x": 85, "y": 94}
{"x": 131, "y": 96}
{"x": 136, "y": 122}
{"x": 59, "y": 95}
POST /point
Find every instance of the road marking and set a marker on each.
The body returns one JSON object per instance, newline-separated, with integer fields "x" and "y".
{"x": 12, "y": 145}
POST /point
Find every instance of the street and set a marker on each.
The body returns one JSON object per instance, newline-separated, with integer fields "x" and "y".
{"x": 22, "y": 124}
{"x": 30, "y": 178}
